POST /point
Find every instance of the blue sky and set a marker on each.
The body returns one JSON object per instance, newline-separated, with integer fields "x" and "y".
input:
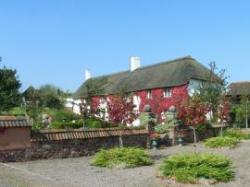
{"x": 53, "y": 41}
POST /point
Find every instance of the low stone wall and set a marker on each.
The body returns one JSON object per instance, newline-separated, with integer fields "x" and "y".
{"x": 69, "y": 145}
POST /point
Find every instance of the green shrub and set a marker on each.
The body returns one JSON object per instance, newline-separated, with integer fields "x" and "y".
{"x": 122, "y": 157}
{"x": 17, "y": 111}
{"x": 67, "y": 125}
{"x": 93, "y": 123}
{"x": 37, "y": 126}
{"x": 162, "y": 128}
{"x": 221, "y": 141}
{"x": 237, "y": 133}
{"x": 193, "y": 166}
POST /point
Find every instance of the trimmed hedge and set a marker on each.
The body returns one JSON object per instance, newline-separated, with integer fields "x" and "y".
{"x": 122, "y": 158}
{"x": 191, "y": 167}
{"x": 237, "y": 133}
{"x": 221, "y": 141}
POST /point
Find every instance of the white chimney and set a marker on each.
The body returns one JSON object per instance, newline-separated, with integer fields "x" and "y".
{"x": 87, "y": 74}
{"x": 135, "y": 62}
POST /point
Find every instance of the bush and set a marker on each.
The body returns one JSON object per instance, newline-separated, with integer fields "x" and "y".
{"x": 162, "y": 128}
{"x": 122, "y": 158}
{"x": 192, "y": 167}
{"x": 17, "y": 111}
{"x": 221, "y": 141}
{"x": 236, "y": 133}
{"x": 93, "y": 123}
{"x": 67, "y": 125}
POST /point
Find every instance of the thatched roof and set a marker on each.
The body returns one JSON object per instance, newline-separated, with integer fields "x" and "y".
{"x": 164, "y": 74}
{"x": 239, "y": 88}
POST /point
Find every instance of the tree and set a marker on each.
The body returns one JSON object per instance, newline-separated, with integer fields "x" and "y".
{"x": 121, "y": 109}
{"x": 51, "y": 96}
{"x": 211, "y": 90}
{"x": 9, "y": 89}
{"x": 32, "y": 98}
{"x": 192, "y": 112}
{"x": 242, "y": 110}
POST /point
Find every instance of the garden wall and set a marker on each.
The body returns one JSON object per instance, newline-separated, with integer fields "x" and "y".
{"x": 52, "y": 144}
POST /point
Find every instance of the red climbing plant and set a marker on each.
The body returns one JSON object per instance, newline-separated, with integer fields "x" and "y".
{"x": 95, "y": 102}
{"x": 121, "y": 109}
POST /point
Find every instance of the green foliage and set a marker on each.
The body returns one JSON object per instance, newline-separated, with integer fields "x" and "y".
{"x": 37, "y": 126}
{"x": 93, "y": 123}
{"x": 67, "y": 125}
{"x": 17, "y": 111}
{"x": 163, "y": 128}
{"x": 242, "y": 111}
{"x": 191, "y": 167}
{"x": 237, "y": 133}
{"x": 46, "y": 96}
{"x": 210, "y": 91}
{"x": 9, "y": 86}
{"x": 220, "y": 141}
{"x": 144, "y": 118}
{"x": 202, "y": 129}
{"x": 122, "y": 158}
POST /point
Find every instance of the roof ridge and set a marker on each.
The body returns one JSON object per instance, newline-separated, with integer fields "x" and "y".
{"x": 148, "y": 66}
{"x": 166, "y": 62}
{"x": 239, "y": 82}
{"x": 111, "y": 74}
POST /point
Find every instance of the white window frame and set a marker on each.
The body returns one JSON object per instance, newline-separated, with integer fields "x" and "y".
{"x": 167, "y": 92}
{"x": 149, "y": 94}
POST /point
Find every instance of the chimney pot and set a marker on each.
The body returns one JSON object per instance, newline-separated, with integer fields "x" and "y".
{"x": 87, "y": 75}
{"x": 135, "y": 62}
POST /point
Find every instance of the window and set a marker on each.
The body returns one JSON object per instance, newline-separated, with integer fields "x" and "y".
{"x": 102, "y": 100}
{"x": 167, "y": 92}
{"x": 149, "y": 94}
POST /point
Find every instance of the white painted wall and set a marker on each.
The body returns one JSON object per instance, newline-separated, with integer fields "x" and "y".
{"x": 137, "y": 102}
{"x": 73, "y": 105}
{"x": 193, "y": 86}
{"x": 104, "y": 107}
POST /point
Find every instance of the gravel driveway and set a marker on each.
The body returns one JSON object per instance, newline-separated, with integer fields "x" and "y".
{"x": 77, "y": 171}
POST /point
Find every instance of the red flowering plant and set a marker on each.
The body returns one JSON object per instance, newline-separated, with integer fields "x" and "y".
{"x": 192, "y": 112}
{"x": 224, "y": 110}
{"x": 121, "y": 109}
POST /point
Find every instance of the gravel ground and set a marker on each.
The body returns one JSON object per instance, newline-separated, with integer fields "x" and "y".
{"x": 77, "y": 171}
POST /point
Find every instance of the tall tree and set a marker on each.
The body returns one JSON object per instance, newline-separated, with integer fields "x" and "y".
{"x": 9, "y": 89}
{"x": 51, "y": 96}
{"x": 213, "y": 88}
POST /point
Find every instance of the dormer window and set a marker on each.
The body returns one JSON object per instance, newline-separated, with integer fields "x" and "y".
{"x": 149, "y": 94}
{"x": 167, "y": 92}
